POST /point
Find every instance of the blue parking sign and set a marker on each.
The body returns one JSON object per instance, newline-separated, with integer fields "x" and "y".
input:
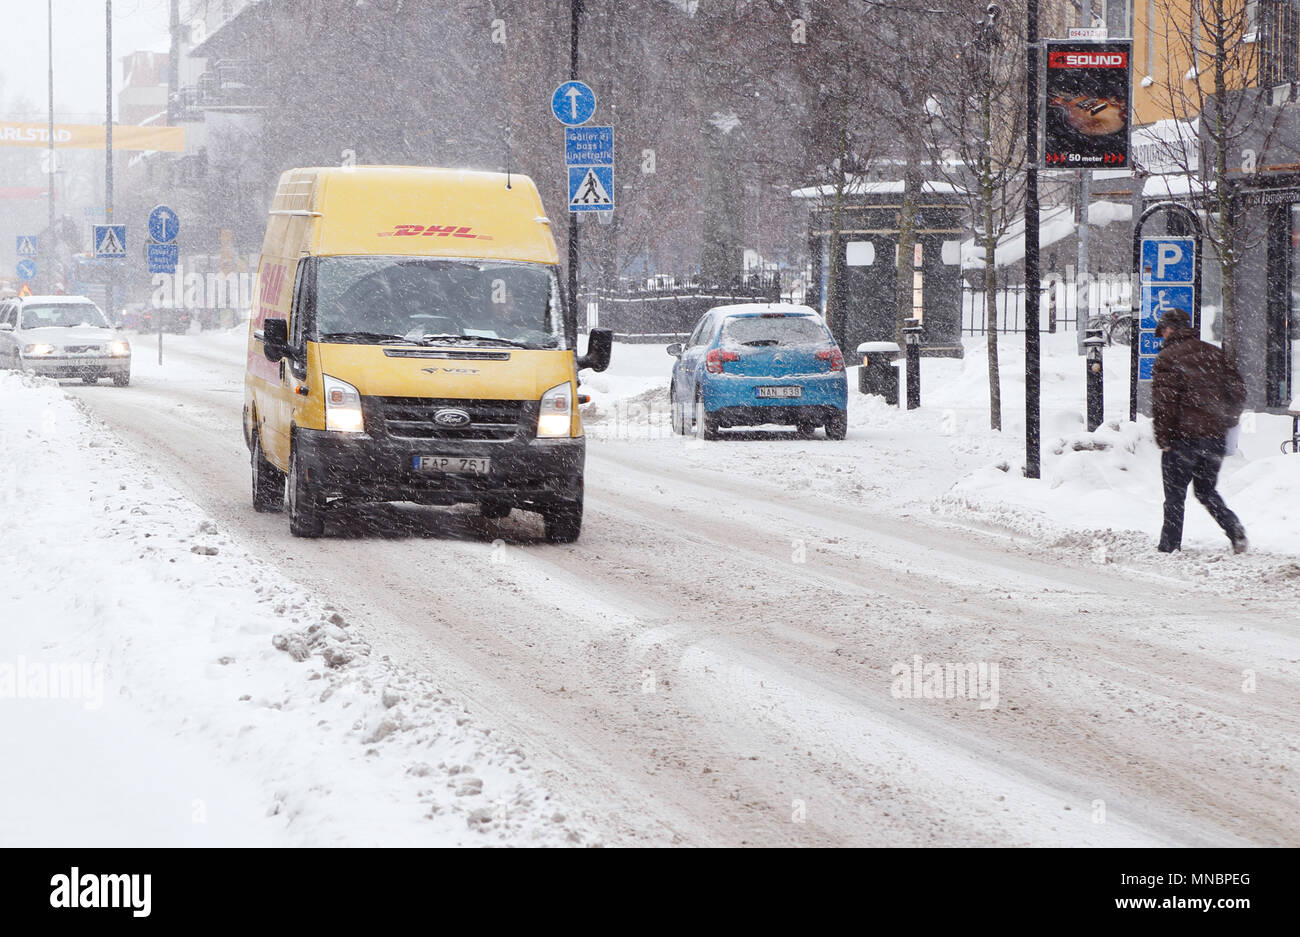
{"x": 1145, "y": 368}
{"x": 1168, "y": 260}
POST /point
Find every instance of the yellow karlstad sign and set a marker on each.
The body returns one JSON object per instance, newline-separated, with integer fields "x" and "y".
{"x": 91, "y": 136}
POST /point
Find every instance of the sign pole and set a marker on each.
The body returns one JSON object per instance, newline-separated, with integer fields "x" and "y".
{"x": 53, "y": 245}
{"x": 575, "y": 13}
{"x": 1032, "y": 276}
{"x": 108, "y": 146}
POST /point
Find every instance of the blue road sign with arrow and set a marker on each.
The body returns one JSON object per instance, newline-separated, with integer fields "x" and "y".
{"x": 27, "y": 245}
{"x": 573, "y": 103}
{"x": 26, "y": 269}
{"x": 164, "y": 224}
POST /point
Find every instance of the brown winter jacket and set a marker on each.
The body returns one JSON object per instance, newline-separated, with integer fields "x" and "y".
{"x": 1195, "y": 392}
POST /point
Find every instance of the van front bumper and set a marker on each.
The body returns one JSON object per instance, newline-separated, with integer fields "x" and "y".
{"x": 524, "y": 473}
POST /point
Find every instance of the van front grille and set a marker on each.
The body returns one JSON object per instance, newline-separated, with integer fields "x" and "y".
{"x": 415, "y": 417}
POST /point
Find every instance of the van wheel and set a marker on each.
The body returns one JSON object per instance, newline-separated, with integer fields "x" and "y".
{"x": 706, "y": 424}
{"x": 90, "y": 379}
{"x": 306, "y": 508}
{"x": 563, "y": 521}
{"x": 837, "y": 426}
{"x": 268, "y": 481}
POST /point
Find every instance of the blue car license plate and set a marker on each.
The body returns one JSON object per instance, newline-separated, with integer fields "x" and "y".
{"x": 783, "y": 392}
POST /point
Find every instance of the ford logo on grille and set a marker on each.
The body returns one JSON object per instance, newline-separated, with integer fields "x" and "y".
{"x": 451, "y": 418}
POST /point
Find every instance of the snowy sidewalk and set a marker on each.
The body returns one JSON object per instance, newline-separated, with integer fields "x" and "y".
{"x": 160, "y": 686}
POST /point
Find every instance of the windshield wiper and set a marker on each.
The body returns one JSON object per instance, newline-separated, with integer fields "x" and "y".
{"x": 478, "y": 339}
{"x": 366, "y": 337}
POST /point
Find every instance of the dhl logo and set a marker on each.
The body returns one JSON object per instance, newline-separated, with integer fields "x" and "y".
{"x": 269, "y": 286}
{"x": 433, "y": 230}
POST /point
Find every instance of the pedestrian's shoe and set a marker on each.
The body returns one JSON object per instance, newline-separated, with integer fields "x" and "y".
{"x": 1239, "y": 543}
{"x": 1164, "y": 549}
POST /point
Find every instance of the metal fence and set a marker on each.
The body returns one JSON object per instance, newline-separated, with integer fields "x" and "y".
{"x": 1059, "y": 306}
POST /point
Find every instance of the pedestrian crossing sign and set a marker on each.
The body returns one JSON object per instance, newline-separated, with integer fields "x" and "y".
{"x": 110, "y": 241}
{"x": 27, "y": 245}
{"x": 591, "y": 188}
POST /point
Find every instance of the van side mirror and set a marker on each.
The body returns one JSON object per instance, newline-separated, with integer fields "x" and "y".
{"x": 6, "y": 326}
{"x": 275, "y": 339}
{"x": 600, "y": 345}
{"x": 675, "y": 349}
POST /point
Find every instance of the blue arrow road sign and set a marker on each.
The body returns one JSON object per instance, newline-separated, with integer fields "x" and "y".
{"x": 26, "y": 269}
{"x": 591, "y": 188}
{"x": 1168, "y": 260}
{"x": 110, "y": 241}
{"x": 573, "y": 103}
{"x": 164, "y": 224}
{"x": 27, "y": 245}
{"x": 589, "y": 146}
{"x": 163, "y": 257}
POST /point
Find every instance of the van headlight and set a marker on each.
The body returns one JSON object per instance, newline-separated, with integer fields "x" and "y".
{"x": 556, "y": 416}
{"x": 38, "y": 350}
{"x": 119, "y": 349}
{"x": 342, "y": 407}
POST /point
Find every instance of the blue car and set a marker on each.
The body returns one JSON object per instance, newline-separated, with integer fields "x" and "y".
{"x": 747, "y": 365}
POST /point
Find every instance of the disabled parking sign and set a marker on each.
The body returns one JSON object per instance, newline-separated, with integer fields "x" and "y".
{"x": 1168, "y": 282}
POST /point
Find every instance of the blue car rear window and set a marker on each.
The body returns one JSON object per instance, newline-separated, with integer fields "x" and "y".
{"x": 767, "y": 330}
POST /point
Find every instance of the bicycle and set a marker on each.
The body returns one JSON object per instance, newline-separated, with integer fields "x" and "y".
{"x": 1116, "y": 326}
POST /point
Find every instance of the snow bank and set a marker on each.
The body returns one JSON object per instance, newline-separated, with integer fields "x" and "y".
{"x": 160, "y": 686}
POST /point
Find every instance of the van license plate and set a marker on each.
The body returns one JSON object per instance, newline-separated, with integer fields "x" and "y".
{"x": 780, "y": 391}
{"x": 452, "y": 464}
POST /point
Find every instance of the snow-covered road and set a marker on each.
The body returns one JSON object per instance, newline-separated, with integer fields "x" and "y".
{"x": 727, "y": 658}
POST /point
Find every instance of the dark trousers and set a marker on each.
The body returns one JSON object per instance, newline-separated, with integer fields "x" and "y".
{"x": 1194, "y": 461}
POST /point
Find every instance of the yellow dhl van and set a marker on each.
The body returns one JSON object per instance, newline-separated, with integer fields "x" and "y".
{"x": 409, "y": 342}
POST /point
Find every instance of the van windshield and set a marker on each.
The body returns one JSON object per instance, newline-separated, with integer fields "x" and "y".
{"x": 424, "y": 300}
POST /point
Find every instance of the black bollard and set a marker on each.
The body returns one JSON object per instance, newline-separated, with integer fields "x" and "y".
{"x": 1093, "y": 342}
{"x": 912, "y": 332}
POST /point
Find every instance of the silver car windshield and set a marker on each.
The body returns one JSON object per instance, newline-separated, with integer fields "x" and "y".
{"x": 63, "y": 315}
{"x": 424, "y": 300}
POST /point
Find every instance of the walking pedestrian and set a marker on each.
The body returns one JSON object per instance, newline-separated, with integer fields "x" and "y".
{"x": 1196, "y": 397}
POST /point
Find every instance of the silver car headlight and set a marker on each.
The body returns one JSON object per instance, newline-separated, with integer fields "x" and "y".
{"x": 37, "y": 350}
{"x": 342, "y": 407}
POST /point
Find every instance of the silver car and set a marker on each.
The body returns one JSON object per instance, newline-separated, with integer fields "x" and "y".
{"x": 61, "y": 337}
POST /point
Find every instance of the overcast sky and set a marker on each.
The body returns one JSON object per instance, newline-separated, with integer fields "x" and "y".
{"x": 78, "y": 52}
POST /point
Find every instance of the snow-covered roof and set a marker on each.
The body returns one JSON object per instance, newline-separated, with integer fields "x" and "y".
{"x": 861, "y": 187}
{"x": 743, "y": 309}
{"x": 59, "y": 299}
{"x": 1174, "y": 185}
